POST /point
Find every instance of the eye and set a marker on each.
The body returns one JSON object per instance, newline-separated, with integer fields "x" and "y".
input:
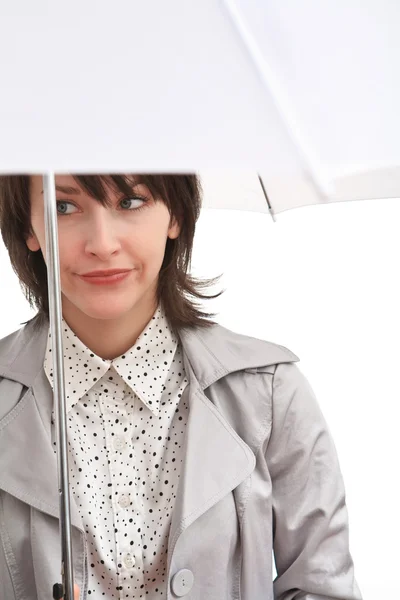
{"x": 60, "y": 203}
{"x": 137, "y": 201}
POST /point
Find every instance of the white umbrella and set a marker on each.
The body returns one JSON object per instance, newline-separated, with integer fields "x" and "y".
{"x": 305, "y": 93}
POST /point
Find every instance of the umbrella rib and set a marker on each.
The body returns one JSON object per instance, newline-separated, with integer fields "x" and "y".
{"x": 323, "y": 188}
{"x": 266, "y": 197}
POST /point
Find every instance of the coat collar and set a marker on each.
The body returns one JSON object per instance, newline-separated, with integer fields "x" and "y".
{"x": 28, "y": 470}
{"x": 213, "y": 352}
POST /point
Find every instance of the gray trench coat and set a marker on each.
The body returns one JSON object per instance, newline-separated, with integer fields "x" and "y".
{"x": 260, "y": 475}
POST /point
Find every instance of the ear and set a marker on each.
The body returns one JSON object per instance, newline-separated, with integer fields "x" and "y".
{"x": 174, "y": 229}
{"x": 33, "y": 243}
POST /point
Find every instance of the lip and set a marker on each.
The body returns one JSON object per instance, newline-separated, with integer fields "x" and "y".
{"x": 106, "y": 280}
{"x": 104, "y": 273}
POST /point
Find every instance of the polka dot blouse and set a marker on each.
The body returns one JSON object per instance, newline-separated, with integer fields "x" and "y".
{"x": 126, "y": 427}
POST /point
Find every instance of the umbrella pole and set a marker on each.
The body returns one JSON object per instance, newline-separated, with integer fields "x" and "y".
{"x": 66, "y": 588}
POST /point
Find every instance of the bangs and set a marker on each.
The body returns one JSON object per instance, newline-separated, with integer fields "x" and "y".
{"x": 98, "y": 186}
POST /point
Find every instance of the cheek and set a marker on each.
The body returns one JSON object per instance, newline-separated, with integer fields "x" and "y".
{"x": 148, "y": 254}
{"x": 69, "y": 255}
{"x": 150, "y": 246}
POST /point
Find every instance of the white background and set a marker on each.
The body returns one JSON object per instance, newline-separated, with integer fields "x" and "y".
{"x": 324, "y": 282}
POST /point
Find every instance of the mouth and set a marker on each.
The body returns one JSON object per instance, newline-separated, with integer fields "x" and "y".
{"x": 105, "y": 273}
{"x": 106, "y": 279}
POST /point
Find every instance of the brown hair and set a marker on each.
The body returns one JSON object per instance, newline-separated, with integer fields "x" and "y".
{"x": 182, "y": 196}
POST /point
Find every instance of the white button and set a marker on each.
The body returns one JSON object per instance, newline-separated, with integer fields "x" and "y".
{"x": 129, "y": 560}
{"x": 124, "y": 501}
{"x": 119, "y": 443}
{"x": 182, "y": 582}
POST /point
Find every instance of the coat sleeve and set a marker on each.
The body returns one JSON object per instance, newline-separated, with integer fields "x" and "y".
{"x": 310, "y": 521}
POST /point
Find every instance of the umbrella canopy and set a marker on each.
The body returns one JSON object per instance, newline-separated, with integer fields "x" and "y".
{"x": 305, "y": 93}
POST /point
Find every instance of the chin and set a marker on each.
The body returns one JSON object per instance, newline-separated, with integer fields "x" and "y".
{"x": 107, "y": 311}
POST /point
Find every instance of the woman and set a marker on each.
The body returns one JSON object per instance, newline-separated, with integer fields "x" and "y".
{"x": 195, "y": 453}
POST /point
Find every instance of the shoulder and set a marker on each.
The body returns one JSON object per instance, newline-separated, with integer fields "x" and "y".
{"x": 240, "y": 342}
{"x": 10, "y": 390}
{"x": 227, "y": 341}
{"x": 9, "y": 345}
{"x": 21, "y": 352}
{"x": 216, "y": 351}
{"x": 10, "y": 387}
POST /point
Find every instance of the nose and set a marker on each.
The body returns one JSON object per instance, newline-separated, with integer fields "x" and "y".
{"x": 102, "y": 236}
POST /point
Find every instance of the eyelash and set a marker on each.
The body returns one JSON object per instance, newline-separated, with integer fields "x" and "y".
{"x": 145, "y": 200}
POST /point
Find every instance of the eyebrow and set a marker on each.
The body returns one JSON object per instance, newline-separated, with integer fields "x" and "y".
{"x": 66, "y": 189}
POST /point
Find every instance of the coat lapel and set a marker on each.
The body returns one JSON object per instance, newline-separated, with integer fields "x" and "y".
{"x": 28, "y": 471}
{"x": 216, "y": 459}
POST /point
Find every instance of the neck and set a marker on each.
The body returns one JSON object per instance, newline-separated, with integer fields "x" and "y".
{"x": 109, "y": 338}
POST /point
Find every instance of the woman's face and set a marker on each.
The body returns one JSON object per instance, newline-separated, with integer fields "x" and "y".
{"x": 131, "y": 234}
